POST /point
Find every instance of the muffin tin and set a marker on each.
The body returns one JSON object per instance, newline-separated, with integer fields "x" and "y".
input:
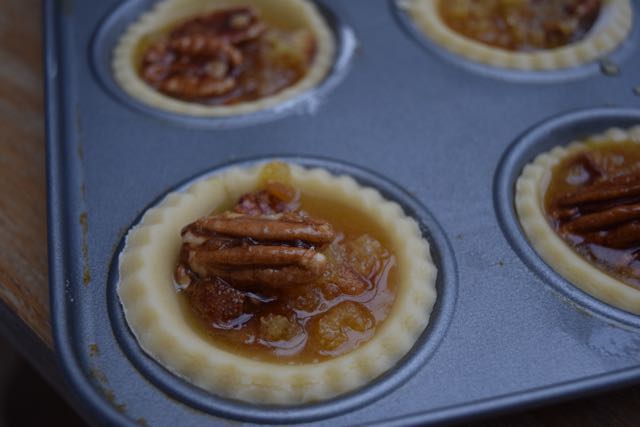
{"x": 443, "y": 137}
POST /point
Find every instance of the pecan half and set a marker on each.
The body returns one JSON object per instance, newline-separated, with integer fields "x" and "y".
{"x": 605, "y": 209}
{"x": 273, "y": 250}
{"x": 605, "y": 192}
{"x": 605, "y": 219}
{"x": 623, "y": 237}
{"x": 277, "y": 227}
{"x": 276, "y": 256}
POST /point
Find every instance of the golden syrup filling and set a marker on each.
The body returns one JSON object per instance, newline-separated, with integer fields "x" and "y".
{"x": 593, "y": 203}
{"x": 226, "y": 57}
{"x": 521, "y": 25}
{"x": 286, "y": 276}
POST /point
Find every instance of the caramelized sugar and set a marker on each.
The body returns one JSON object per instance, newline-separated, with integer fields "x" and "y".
{"x": 521, "y": 25}
{"x": 593, "y": 203}
{"x": 320, "y": 320}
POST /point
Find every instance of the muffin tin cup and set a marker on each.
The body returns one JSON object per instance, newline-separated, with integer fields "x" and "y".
{"x": 616, "y": 58}
{"x": 106, "y": 38}
{"x": 446, "y": 287}
{"x": 541, "y": 138}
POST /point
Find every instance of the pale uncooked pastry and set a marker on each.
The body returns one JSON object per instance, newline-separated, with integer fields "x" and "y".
{"x": 152, "y": 310}
{"x": 529, "y": 200}
{"x": 610, "y": 29}
{"x": 291, "y": 14}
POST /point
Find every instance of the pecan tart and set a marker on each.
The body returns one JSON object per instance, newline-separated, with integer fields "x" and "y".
{"x": 219, "y": 58}
{"x": 525, "y": 34}
{"x": 277, "y": 284}
{"x": 580, "y": 208}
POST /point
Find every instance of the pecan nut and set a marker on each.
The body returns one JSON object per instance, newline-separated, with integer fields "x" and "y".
{"x": 289, "y": 227}
{"x": 604, "y": 219}
{"x": 272, "y": 250}
{"x": 199, "y": 59}
{"x": 605, "y": 209}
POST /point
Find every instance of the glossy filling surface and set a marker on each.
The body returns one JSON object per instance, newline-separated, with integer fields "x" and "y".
{"x": 285, "y": 276}
{"x": 521, "y": 25}
{"x": 593, "y": 203}
{"x": 225, "y": 57}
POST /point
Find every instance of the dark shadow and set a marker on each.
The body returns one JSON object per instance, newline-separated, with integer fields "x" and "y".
{"x": 27, "y": 400}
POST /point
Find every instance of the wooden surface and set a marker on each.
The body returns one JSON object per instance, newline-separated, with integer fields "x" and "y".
{"x": 23, "y": 257}
{"x": 23, "y": 235}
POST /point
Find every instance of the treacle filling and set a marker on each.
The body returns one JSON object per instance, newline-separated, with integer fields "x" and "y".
{"x": 521, "y": 25}
{"x": 226, "y": 57}
{"x": 593, "y": 203}
{"x": 271, "y": 279}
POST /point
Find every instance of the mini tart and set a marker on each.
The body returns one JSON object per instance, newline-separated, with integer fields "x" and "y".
{"x": 151, "y": 307}
{"x": 167, "y": 13}
{"x": 610, "y": 29}
{"x": 529, "y": 201}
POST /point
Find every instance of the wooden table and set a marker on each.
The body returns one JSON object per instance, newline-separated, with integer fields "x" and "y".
{"x": 24, "y": 300}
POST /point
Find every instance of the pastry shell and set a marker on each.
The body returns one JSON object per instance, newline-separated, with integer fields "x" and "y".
{"x": 148, "y": 296}
{"x": 292, "y": 13}
{"x": 529, "y": 203}
{"x": 610, "y": 29}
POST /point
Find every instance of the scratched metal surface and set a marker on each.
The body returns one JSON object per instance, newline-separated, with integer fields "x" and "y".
{"x": 444, "y": 138}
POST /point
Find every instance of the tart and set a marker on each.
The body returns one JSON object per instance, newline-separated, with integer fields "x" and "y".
{"x": 579, "y": 207}
{"x": 223, "y": 57}
{"x": 524, "y": 34}
{"x": 277, "y": 284}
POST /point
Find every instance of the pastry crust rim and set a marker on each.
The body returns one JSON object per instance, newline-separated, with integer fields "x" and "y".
{"x": 156, "y": 19}
{"x": 253, "y": 381}
{"x": 610, "y": 29}
{"x": 528, "y": 199}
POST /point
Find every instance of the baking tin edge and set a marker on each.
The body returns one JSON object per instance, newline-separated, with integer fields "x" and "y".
{"x": 91, "y": 403}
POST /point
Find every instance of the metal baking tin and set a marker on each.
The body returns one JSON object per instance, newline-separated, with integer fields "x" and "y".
{"x": 443, "y": 137}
